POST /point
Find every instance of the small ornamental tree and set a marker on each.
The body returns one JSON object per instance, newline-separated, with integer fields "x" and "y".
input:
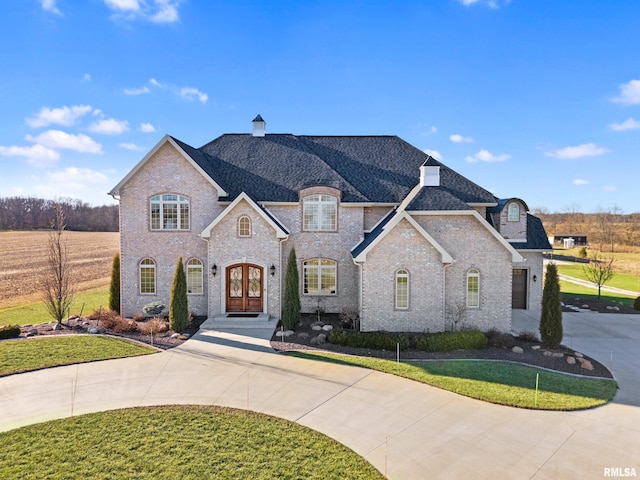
{"x": 599, "y": 270}
{"x": 551, "y": 317}
{"x": 114, "y": 289}
{"x": 291, "y": 310}
{"x": 178, "y": 304}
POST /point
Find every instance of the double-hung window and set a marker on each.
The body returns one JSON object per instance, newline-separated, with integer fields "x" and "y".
{"x": 147, "y": 276}
{"x": 169, "y": 212}
{"x": 194, "y": 276}
{"x": 319, "y": 277}
{"x": 402, "y": 289}
{"x": 473, "y": 288}
{"x": 320, "y": 213}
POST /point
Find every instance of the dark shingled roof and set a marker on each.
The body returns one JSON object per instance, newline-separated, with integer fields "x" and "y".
{"x": 536, "y": 236}
{"x": 381, "y": 169}
{"x": 373, "y": 234}
{"x": 436, "y": 198}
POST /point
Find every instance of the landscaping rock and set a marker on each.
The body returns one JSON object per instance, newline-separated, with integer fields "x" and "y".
{"x": 585, "y": 306}
{"x": 30, "y": 334}
{"x": 517, "y": 349}
{"x": 586, "y": 364}
{"x": 571, "y": 360}
{"x": 28, "y": 325}
{"x": 33, "y": 331}
{"x": 175, "y": 335}
{"x": 286, "y": 333}
{"x": 558, "y": 355}
{"x": 327, "y": 328}
{"x": 578, "y": 354}
{"x": 57, "y": 326}
{"x": 322, "y": 338}
{"x": 536, "y": 347}
{"x": 613, "y": 308}
{"x": 547, "y": 353}
{"x": 303, "y": 335}
{"x": 316, "y": 328}
{"x": 93, "y": 330}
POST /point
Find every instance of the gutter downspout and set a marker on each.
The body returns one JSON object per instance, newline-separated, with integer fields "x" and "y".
{"x": 359, "y": 292}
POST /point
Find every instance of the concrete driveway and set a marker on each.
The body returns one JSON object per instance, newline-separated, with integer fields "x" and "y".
{"x": 405, "y": 429}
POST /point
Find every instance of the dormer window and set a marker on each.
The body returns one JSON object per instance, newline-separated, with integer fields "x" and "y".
{"x": 513, "y": 214}
{"x": 169, "y": 212}
{"x": 320, "y": 213}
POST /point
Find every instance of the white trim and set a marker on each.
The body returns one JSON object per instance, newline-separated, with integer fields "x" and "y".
{"x": 166, "y": 139}
{"x": 280, "y": 233}
{"x": 516, "y": 240}
{"x": 515, "y": 256}
{"x": 446, "y": 258}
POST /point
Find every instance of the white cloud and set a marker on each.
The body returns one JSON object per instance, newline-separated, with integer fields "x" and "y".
{"x": 58, "y": 139}
{"x": 50, "y": 6}
{"x": 434, "y": 153}
{"x": 584, "y": 150}
{"x": 65, "y": 116}
{"x": 628, "y": 124}
{"x": 78, "y": 176}
{"x": 629, "y": 93}
{"x": 580, "y": 181}
{"x": 456, "y": 138}
{"x": 156, "y": 11}
{"x": 190, "y": 93}
{"x": 155, "y": 83}
{"x": 487, "y": 156}
{"x": 489, "y": 3}
{"x": 136, "y": 91}
{"x": 610, "y": 188}
{"x": 109, "y": 126}
{"x": 147, "y": 128}
{"x": 131, "y": 146}
{"x": 36, "y": 155}
{"x": 86, "y": 77}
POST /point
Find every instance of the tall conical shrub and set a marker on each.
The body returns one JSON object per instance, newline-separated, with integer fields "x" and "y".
{"x": 291, "y": 310}
{"x": 551, "y": 317}
{"x": 178, "y": 305}
{"x": 114, "y": 289}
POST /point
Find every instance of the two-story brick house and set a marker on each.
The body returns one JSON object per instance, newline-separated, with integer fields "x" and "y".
{"x": 378, "y": 226}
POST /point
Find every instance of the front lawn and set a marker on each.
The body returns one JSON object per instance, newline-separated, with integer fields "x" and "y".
{"x": 17, "y": 356}
{"x": 496, "y": 382}
{"x": 621, "y": 280}
{"x": 176, "y": 442}
{"x": 568, "y": 290}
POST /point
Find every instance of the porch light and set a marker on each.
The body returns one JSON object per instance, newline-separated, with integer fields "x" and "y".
{"x": 214, "y": 269}
{"x": 535, "y": 278}
{"x": 272, "y": 269}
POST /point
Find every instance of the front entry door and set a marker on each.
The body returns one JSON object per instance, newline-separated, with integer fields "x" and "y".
{"x": 519, "y": 289}
{"x": 244, "y": 288}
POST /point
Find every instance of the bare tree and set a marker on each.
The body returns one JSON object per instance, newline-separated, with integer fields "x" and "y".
{"x": 599, "y": 270}
{"x": 58, "y": 283}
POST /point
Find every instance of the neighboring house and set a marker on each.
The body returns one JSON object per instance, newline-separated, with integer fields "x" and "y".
{"x": 378, "y": 227}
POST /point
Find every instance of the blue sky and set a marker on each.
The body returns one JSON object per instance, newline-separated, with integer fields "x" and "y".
{"x": 532, "y": 99}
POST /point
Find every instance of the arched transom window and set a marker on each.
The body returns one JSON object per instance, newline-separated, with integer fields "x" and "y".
{"x": 319, "y": 277}
{"x": 473, "y": 288}
{"x": 513, "y": 214}
{"x": 320, "y": 213}
{"x": 244, "y": 226}
{"x": 194, "y": 276}
{"x": 147, "y": 276}
{"x": 402, "y": 289}
{"x": 169, "y": 212}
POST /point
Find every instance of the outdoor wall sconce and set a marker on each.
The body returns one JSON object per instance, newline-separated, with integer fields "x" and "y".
{"x": 272, "y": 269}
{"x": 214, "y": 269}
{"x": 535, "y": 278}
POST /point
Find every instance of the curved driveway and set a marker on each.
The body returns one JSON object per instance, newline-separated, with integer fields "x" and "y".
{"x": 404, "y": 428}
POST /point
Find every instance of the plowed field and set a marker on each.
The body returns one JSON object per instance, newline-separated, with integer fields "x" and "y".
{"x": 23, "y": 255}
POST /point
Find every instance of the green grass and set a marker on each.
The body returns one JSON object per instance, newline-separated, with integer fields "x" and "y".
{"x": 185, "y": 442}
{"x": 573, "y": 290}
{"x": 496, "y": 382}
{"x": 34, "y": 313}
{"x": 625, "y": 281}
{"x": 17, "y": 356}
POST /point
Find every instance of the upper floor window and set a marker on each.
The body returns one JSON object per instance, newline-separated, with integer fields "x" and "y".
{"x": 244, "y": 226}
{"x": 473, "y": 288}
{"x": 169, "y": 212}
{"x": 147, "y": 276}
{"x": 513, "y": 214}
{"x": 194, "y": 276}
{"x": 402, "y": 289}
{"x": 319, "y": 276}
{"x": 319, "y": 213}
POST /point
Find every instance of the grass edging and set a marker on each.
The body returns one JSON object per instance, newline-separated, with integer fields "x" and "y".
{"x": 506, "y": 383}
{"x": 178, "y": 441}
{"x": 31, "y": 354}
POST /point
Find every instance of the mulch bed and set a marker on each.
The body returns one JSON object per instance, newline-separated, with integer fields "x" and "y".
{"x": 501, "y": 349}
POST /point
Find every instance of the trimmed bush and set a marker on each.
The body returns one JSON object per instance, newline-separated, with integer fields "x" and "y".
{"x": 9, "y": 331}
{"x": 153, "y": 308}
{"x": 291, "y": 310}
{"x": 107, "y": 318}
{"x": 449, "y": 341}
{"x": 179, "y": 304}
{"x": 122, "y": 325}
{"x": 154, "y": 326}
{"x": 114, "y": 288}
{"x": 373, "y": 340}
{"x": 496, "y": 338}
{"x": 636, "y": 304}
{"x": 551, "y": 316}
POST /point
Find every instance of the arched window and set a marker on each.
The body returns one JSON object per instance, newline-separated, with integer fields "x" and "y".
{"x": 169, "y": 212}
{"x": 244, "y": 226}
{"x": 402, "y": 289}
{"x": 194, "y": 276}
{"x": 320, "y": 213}
{"x": 319, "y": 276}
{"x": 513, "y": 214}
{"x": 147, "y": 276}
{"x": 473, "y": 288}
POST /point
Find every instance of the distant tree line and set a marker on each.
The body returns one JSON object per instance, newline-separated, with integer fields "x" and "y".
{"x": 30, "y": 213}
